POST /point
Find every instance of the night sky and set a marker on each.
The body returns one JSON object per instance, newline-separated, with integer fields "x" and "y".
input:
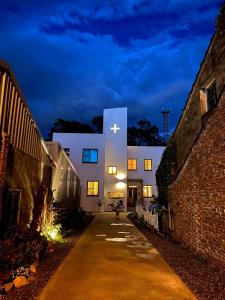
{"x": 72, "y": 59}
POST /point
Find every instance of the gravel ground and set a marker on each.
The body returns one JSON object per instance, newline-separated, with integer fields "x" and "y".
{"x": 206, "y": 280}
{"x": 47, "y": 268}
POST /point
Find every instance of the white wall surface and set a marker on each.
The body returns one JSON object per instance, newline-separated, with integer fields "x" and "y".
{"x": 141, "y": 153}
{"x": 86, "y": 171}
{"x": 116, "y": 150}
{"x": 65, "y": 180}
{"x": 112, "y": 151}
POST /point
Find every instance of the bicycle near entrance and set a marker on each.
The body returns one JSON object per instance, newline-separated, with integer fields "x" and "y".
{"x": 116, "y": 206}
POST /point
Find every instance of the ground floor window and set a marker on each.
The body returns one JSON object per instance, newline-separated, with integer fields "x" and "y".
{"x": 112, "y": 170}
{"x": 147, "y": 191}
{"x": 92, "y": 188}
{"x": 13, "y": 206}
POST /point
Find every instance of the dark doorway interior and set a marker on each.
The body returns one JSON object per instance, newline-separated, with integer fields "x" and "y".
{"x": 132, "y": 196}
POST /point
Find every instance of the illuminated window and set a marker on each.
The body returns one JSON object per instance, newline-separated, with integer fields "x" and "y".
{"x": 148, "y": 164}
{"x": 132, "y": 164}
{"x": 112, "y": 170}
{"x": 90, "y": 156}
{"x": 92, "y": 188}
{"x": 147, "y": 191}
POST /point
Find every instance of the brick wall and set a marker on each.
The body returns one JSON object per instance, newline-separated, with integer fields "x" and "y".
{"x": 198, "y": 194}
{"x": 4, "y": 143}
{"x": 212, "y": 67}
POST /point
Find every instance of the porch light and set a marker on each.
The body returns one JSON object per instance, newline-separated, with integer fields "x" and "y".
{"x": 120, "y": 185}
{"x": 121, "y": 176}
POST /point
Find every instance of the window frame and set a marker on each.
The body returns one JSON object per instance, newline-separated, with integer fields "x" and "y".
{"x": 112, "y": 169}
{"x": 67, "y": 151}
{"x": 87, "y": 188}
{"x": 128, "y": 164}
{"x": 147, "y": 159}
{"x": 204, "y": 97}
{"x": 11, "y": 196}
{"x": 89, "y": 149}
{"x": 147, "y": 185}
{"x": 210, "y": 106}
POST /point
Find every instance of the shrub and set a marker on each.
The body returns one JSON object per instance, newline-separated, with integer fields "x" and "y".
{"x": 52, "y": 232}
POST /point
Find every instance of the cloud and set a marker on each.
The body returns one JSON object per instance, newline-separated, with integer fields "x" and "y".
{"x": 73, "y": 59}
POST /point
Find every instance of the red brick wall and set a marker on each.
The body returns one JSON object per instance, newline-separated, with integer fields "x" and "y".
{"x": 198, "y": 194}
{"x": 3, "y": 157}
{"x": 4, "y": 143}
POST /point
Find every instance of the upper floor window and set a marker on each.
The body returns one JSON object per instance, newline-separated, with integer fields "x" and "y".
{"x": 92, "y": 188}
{"x": 112, "y": 170}
{"x": 147, "y": 191}
{"x": 211, "y": 96}
{"x": 90, "y": 156}
{"x": 132, "y": 164}
{"x": 208, "y": 97}
{"x": 148, "y": 164}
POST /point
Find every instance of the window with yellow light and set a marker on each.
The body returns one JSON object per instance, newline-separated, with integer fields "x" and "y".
{"x": 132, "y": 164}
{"x": 112, "y": 170}
{"x": 147, "y": 191}
{"x": 92, "y": 188}
{"x": 148, "y": 164}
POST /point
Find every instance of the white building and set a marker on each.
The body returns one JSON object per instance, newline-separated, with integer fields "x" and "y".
{"x": 107, "y": 167}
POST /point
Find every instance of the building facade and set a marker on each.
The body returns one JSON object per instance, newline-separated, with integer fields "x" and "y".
{"x": 197, "y": 194}
{"x": 108, "y": 168}
{"x": 26, "y": 167}
{"x": 65, "y": 180}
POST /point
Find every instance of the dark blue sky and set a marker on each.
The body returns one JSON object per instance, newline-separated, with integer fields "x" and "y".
{"x": 74, "y": 58}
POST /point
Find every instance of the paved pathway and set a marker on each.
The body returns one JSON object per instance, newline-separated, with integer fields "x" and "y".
{"x": 124, "y": 269}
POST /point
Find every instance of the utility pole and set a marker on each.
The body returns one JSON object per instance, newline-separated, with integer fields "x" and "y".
{"x": 165, "y": 113}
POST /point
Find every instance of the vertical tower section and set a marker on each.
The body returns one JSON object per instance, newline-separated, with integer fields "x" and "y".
{"x": 115, "y": 131}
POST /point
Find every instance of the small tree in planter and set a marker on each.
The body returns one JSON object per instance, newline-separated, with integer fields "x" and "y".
{"x": 100, "y": 203}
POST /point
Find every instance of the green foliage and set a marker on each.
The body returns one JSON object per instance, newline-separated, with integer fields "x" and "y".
{"x": 97, "y": 123}
{"x": 52, "y": 232}
{"x": 167, "y": 171}
{"x": 144, "y": 134}
{"x": 61, "y": 125}
{"x": 21, "y": 271}
{"x": 22, "y": 250}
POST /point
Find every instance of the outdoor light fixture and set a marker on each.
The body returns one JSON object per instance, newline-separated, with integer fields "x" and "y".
{"x": 121, "y": 176}
{"x": 120, "y": 185}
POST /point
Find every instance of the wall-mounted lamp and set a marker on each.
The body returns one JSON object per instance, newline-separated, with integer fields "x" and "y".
{"x": 120, "y": 185}
{"x": 121, "y": 176}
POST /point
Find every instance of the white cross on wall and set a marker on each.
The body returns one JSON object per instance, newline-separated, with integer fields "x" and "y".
{"x": 115, "y": 128}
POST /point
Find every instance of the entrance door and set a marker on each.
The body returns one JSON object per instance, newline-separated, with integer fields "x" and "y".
{"x": 132, "y": 196}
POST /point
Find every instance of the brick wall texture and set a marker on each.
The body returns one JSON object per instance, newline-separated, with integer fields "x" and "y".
{"x": 198, "y": 194}
{"x": 4, "y": 143}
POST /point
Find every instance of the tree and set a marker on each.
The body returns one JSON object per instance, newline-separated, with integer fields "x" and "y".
{"x": 97, "y": 123}
{"x": 61, "y": 125}
{"x": 145, "y": 134}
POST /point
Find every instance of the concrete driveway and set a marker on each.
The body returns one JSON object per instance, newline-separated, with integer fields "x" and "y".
{"x": 114, "y": 261}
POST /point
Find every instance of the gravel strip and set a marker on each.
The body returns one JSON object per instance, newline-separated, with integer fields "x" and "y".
{"x": 205, "y": 279}
{"x": 48, "y": 267}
